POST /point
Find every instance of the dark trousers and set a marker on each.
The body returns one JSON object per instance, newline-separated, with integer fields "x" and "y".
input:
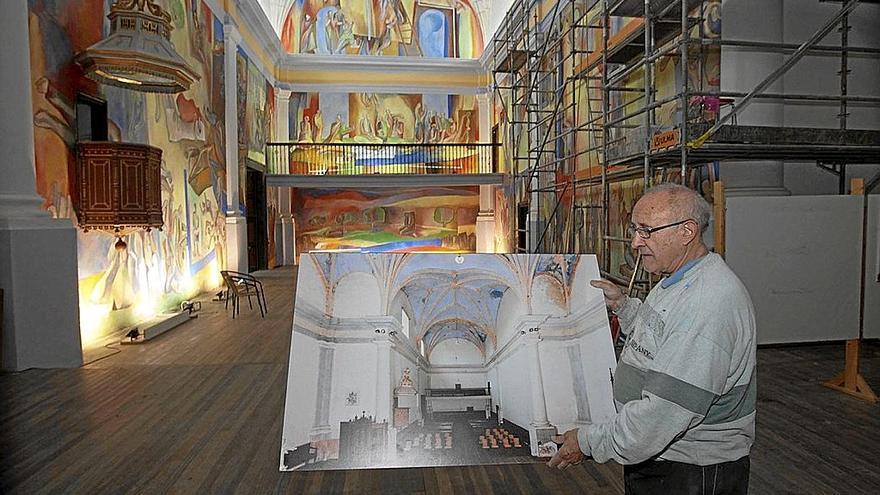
{"x": 672, "y": 478}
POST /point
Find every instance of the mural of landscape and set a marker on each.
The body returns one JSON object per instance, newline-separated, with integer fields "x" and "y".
{"x": 426, "y": 28}
{"x": 386, "y": 220}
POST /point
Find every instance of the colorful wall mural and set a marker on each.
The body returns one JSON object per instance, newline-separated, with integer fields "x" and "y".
{"x": 386, "y": 220}
{"x": 319, "y": 122}
{"x": 383, "y": 118}
{"x": 159, "y": 268}
{"x": 256, "y": 107}
{"x": 426, "y": 28}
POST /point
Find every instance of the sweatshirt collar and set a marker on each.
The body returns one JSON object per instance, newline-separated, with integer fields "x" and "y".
{"x": 676, "y": 276}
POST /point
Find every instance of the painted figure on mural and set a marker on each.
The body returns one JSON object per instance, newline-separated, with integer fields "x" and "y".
{"x": 318, "y": 130}
{"x": 381, "y": 27}
{"x": 420, "y": 131}
{"x": 338, "y": 130}
{"x": 305, "y": 130}
{"x": 308, "y": 41}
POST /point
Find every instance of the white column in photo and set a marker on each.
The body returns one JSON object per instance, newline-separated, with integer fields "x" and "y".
{"x": 539, "y": 403}
{"x": 383, "y": 393}
{"x": 321, "y": 426}
{"x": 579, "y": 384}
{"x": 383, "y": 379}
{"x": 540, "y": 429}
{"x": 497, "y": 390}
{"x": 236, "y": 224}
{"x": 38, "y": 254}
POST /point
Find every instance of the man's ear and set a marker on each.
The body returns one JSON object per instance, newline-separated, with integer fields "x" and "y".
{"x": 692, "y": 231}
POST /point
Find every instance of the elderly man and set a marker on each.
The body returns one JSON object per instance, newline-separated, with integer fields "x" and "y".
{"x": 685, "y": 384}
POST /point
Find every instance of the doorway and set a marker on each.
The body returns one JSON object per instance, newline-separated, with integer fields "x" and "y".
{"x": 255, "y": 206}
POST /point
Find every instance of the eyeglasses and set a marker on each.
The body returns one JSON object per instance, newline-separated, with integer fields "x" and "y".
{"x": 645, "y": 232}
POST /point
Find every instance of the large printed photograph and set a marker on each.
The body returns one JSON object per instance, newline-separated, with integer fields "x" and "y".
{"x": 403, "y": 360}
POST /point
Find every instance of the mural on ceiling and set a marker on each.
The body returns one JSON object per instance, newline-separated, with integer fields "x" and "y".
{"x": 159, "y": 268}
{"x": 370, "y": 118}
{"x": 427, "y": 28}
{"x": 442, "y": 354}
{"x": 386, "y": 219}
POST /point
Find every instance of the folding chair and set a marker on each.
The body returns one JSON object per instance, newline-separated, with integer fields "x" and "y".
{"x": 240, "y": 285}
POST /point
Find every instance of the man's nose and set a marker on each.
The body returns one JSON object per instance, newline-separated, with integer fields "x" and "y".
{"x": 636, "y": 241}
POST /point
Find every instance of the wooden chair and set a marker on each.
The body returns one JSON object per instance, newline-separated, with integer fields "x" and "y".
{"x": 240, "y": 285}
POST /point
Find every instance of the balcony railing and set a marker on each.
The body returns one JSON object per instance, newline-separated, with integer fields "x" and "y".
{"x": 380, "y": 158}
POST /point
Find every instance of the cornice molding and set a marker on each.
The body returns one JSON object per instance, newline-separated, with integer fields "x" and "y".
{"x": 367, "y": 63}
{"x": 375, "y": 88}
{"x": 254, "y": 28}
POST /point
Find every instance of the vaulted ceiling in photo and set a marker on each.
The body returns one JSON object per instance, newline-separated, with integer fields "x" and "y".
{"x": 448, "y": 296}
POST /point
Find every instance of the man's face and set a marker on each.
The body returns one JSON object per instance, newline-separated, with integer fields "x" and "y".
{"x": 662, "y": 252}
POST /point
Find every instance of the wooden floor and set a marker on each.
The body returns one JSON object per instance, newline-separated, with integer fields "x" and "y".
{"x": 199, "y": 410}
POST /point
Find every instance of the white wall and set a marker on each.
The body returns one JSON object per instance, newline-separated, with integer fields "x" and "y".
{"x": 357, "y": 294}
{"x": 354, "y": 370}
{"x": 447, "y": 378}
{"x": 548, "y": 296}
{"x": 793, "y": 22}
{"x": 818, "y": 75}
{"x": 300, "y": 401}
{"x": 497, "y": 10}
{"x": 516, "y": 395}
{"x": 801, "y": 264}
{"x": 509, "y": 311}
{"x": 559, "y": 392}
{"x": 309, "y": 289}
{"x": 456, "y": 352}
{"x": 558, "y": 385}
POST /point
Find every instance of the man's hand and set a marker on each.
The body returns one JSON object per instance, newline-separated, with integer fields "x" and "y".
{"x": 570, "y": 452}
{"x": 614, "y": 297}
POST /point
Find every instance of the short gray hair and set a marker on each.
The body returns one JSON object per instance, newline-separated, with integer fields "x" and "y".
{"x": 685, "y": 200}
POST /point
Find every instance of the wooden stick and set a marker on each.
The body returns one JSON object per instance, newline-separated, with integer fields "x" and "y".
{"x": 632, "y": 280}
{"x": 720, "y": 210}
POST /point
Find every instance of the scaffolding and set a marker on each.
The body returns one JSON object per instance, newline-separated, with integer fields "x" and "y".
{"x": 584, "y": 110}
{"x": 535, "y": 80}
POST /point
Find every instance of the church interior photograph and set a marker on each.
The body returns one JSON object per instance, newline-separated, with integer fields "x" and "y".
{"x": 440, "y": 246}
{"x": 443, "y": 351}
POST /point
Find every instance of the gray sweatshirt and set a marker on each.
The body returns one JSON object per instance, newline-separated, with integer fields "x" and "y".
{"x": 685, "y": 384}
